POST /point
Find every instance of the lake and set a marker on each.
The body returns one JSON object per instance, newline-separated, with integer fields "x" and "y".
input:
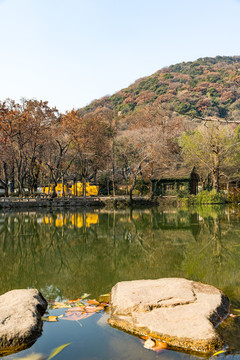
{"x": 66, "y": 254}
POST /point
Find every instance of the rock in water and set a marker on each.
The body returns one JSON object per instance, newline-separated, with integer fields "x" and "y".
{"x": 181, "y": 312}
{"x": 149, "y": 344}
{"x": 20, "y": 318}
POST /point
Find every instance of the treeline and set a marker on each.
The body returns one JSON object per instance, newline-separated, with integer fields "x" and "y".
{"x": 39, "y": 146}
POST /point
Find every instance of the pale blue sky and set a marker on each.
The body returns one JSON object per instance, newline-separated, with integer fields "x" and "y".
{"x": 70, "y": 52}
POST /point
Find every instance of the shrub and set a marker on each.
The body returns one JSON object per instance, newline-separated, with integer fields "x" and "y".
{"x": 210, "y": 197}
{"x": 190, "y": 200}
{"x": 182, "y": 108}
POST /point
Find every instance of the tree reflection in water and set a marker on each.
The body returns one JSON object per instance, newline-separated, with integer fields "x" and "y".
{"x": 66, "y": 254}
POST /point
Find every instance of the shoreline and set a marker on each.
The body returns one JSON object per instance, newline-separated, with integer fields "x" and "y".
{"x": 97, "y": 202}
{"x": 12, "y": 203}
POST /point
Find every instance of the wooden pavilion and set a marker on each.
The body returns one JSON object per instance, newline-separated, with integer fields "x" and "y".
{"x": 171, "y": 181}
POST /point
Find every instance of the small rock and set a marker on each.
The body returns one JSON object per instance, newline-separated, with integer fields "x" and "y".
{"x": 20, "y": 318}
{"x": 149, "y": 344}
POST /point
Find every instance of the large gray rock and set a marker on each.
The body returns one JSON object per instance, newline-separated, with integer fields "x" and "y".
{"x": 180, "y": 312}
{"x": 20, "y": 318}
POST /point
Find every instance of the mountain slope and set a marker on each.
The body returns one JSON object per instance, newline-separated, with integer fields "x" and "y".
{"x": 205, "y": 87}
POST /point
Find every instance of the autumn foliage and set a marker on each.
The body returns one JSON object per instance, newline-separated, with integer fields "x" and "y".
{"x": 120, "y": 138}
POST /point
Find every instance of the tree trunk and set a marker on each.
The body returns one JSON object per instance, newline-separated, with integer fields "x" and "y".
{"x": 216, "y": 170}
{"x": 74, "y": 193}
{"x": 19, "y": 173}
{"x": 132, "y": 188}
{"x": 5, "y": 179}
{"x": 12, "y": 182}
{"x": 54, "y": 194}
{"x": 19, "y": 183}
{"x": 49, "y": 184}
{"x": 95, "y": 176}
{"x": 35, "y": 176}
{"x": 108, "y": 188}
{"x": 84, "y": 187}
{"x": 63, "y": 193}
{"x": 215, "y": 173}
{"x": 113, "y": 168}
{"x": 217, "y": 235}
{"x": 215, "y": 177}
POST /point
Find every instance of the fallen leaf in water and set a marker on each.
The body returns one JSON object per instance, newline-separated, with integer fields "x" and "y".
{"x": 85, "y": 296}
{"x": 159, "y": 346}
{"x": 219, "y": 352}
{"x": 57, "y": 351}
{"x": 153, "y": 344}
{"x": 78, "y": 303}
{"x": 77, "y": 308}
{"x": 73, "y": 301}
{"x": 76, "y": 316}
{"x": 50, "y": 318}
{"x": 92, "y": 302}
{"x": 99, "y": 308}
{"x": 90, "y": 309}
{"x": 60, "y": 305}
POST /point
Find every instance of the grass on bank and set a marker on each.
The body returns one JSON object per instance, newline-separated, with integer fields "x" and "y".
{"x": 211, "y": 197}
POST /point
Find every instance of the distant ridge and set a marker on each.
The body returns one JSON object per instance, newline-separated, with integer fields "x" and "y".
{"x": 205, "y": 87}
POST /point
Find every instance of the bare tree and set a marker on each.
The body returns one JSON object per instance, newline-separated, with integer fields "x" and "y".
{"x": 214, "y": 150}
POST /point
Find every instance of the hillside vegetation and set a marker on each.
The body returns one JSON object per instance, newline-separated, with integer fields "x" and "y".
{"x": 205, "y": 87}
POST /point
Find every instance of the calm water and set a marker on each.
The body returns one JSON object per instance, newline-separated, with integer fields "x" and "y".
{"x": 70, "y": 253}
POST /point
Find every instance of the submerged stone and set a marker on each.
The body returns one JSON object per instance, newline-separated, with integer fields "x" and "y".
{"x": 149, "y": 344}
{"x": 20, "y": 318}
{"x": 181, "y": 312}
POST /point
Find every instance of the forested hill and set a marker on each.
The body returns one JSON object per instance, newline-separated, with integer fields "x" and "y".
{"x": 205, "y": 87}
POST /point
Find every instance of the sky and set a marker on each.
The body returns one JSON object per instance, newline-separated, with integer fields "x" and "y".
{"x": 70, "y": 52}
